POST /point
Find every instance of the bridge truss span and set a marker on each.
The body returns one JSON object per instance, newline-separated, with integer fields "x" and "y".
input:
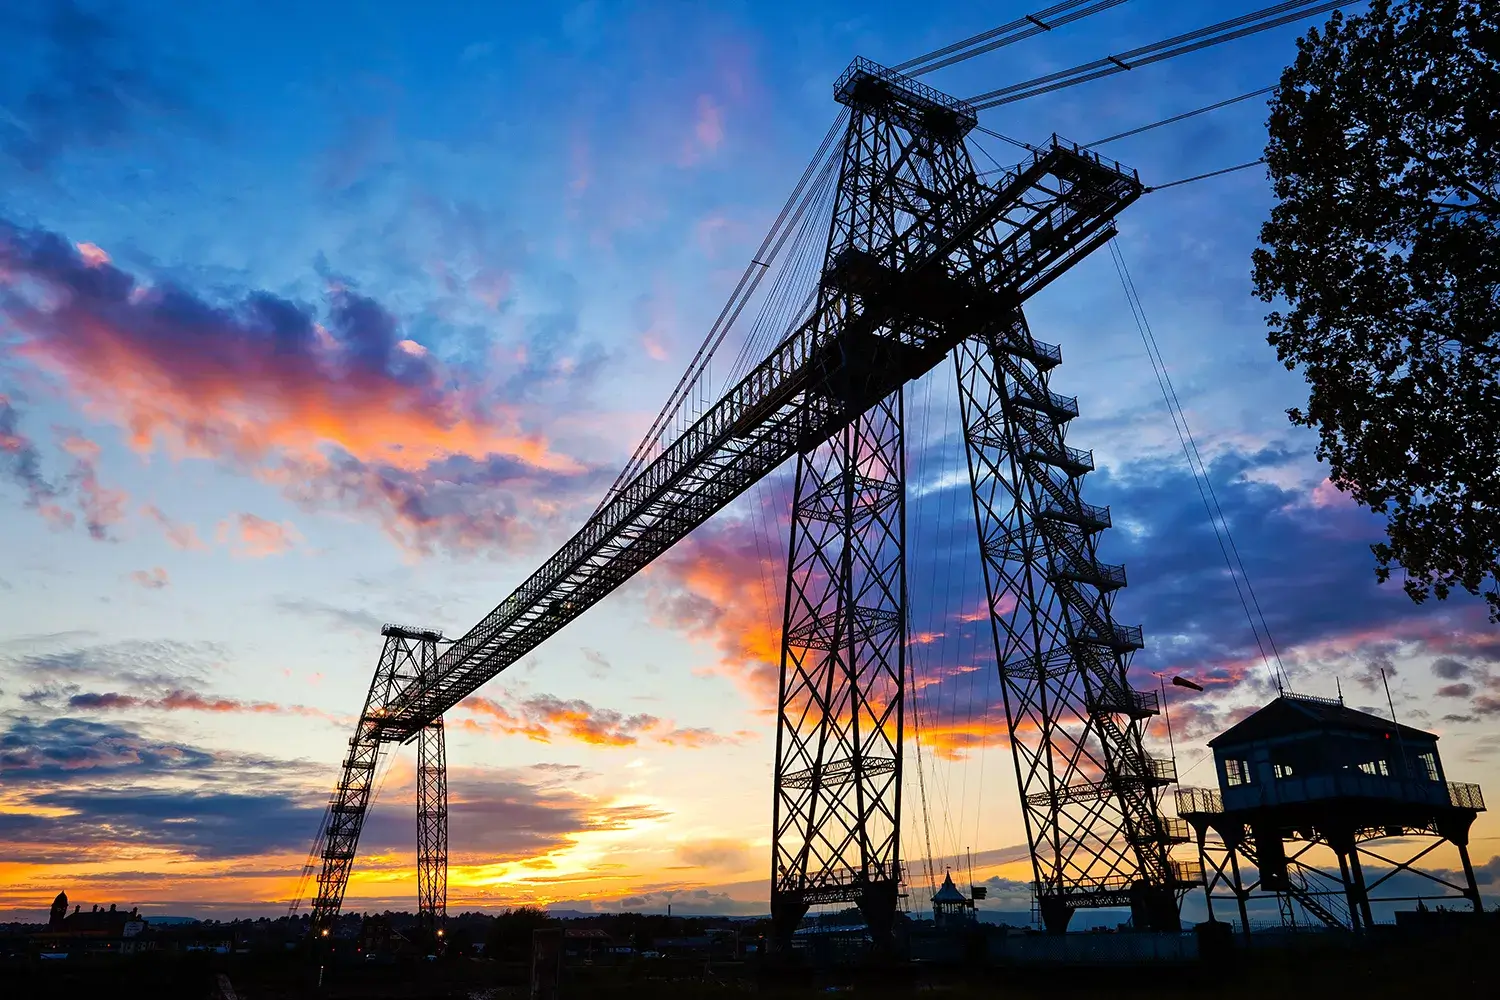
{"x": 924, "y": 259}
{"x": 967, "y": 252}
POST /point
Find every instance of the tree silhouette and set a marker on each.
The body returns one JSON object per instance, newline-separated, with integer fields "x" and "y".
{"x": 1385, "y": 247}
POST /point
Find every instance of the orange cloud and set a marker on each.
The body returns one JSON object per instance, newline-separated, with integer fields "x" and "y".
{"x": 263, "y": 384}
{"x": 256, "y": 538}
{"x": 1004, "y": 605}
{"x": 92, "y": 255}
{"x": 545, "y": 717}
{"x": 709, "y": 586}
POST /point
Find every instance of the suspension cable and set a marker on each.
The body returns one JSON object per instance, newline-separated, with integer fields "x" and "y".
{"x": 1177, "y": 118}
{"x": 1206, "y": 492}
{"x": 749, "y": 281}
{"x": 1204, "y": 177}
{"x": 1006, "y": 34}
{"x": 313, "y": 856}
{"x": 1192, "y": 41}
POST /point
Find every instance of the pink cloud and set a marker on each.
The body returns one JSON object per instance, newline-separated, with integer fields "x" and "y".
{"x": 256, "y": 538}
{"x": 102, "y": 506}
{"x": 92, "y": 255}
{"x": 707, "y": 133}
{"x": 1325, "y": 495}
{"x": 155, "y": 578}
{"x": 188, "y": 701}
{"x": 708, "y": 128}
{"x": 281, "y": 389}
{"x": 178, "y": 534}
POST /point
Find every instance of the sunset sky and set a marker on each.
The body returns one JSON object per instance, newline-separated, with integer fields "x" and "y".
{"x": 314, "y": 317}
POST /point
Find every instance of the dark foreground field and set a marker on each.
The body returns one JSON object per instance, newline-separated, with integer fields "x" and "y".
{"x": 1412, "y": 969}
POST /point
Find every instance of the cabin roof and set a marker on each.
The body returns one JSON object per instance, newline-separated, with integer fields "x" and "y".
{"x": 948, "y": 892}
{"x": 1291, "y": 714}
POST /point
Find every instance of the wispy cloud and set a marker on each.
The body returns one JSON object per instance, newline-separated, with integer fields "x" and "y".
{"x": 154, "y": 578}
{"x": 99, "y": 83}
{"x": 337, "y": 405}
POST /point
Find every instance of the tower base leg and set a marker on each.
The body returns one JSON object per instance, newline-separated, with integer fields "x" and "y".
{"x": 1154, "y": 909}
{"x": 1056, "y": 913}
{"x": 787, "y": 912}
{"x": 878, "y": 904}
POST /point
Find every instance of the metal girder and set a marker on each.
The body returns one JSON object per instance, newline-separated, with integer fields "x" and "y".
{"x": 1089, "y": 791}
{"x": 1280, "y": 852}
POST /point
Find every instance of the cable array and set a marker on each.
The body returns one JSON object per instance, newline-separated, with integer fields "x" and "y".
{"x": 1006, "y": 34}
{"x": 1192, "y": 41}
{"x": 1177, "y": 118}
{"x": 693, "y": 383}
{"x": 1216, "y": 517}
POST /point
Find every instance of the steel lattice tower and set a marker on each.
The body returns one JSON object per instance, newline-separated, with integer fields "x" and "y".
{"x": 432, "y": 832}
{"x": 839, "y": 725}
{"x": 407, "y": 657}
{"x": 840, "y": 721}
{"x": 1089, "y": 792}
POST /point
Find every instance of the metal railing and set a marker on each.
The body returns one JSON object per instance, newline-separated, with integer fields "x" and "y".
{"x": 1085, "y": 515}
{"x": 1085, "y": 570}
{"x": 917, "y": 92}
{"x": 1199, "y": 800}
{"x": 1036, "y": 351}
{"x": 1121, "y": 700}
{"x": 1187, "y": 872}
{"x": 1465, "y": 795}
{"x": 1054, "y": 403}
{"x": 1165, "y": 830}
{"x": 1163, "y": 769}
{"x": 1121, "y": 637}
{"x": 1064, "y": 457}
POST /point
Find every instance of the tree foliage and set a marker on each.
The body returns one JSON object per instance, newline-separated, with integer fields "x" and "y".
{"x": 509, "y": 936}
{"x": 1384, "y": 247}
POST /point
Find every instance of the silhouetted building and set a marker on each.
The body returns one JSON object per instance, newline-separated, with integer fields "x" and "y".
{"x": 1305, "y": 772}
{"x": 97, "y": 931}
{"x": 951, "y": 909}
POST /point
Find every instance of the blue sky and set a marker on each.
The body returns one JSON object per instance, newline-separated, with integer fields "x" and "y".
{"x": 316, "y": 318}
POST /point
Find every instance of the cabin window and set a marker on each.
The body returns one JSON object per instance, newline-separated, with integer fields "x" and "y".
{"x": 1376, "y": 767}
{"x": 1282, "y": 770}
{"x": 1429, "y": 765}
{"x": 1236, "y": 772}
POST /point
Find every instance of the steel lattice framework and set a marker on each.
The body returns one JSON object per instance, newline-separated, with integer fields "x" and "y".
{"x": 432, "y": 832}
{"x": 1089, "y": 792}
{"x": 837, "y": 800}
{"x": 923, "y": 256}
{"x": 408, "y": 656}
